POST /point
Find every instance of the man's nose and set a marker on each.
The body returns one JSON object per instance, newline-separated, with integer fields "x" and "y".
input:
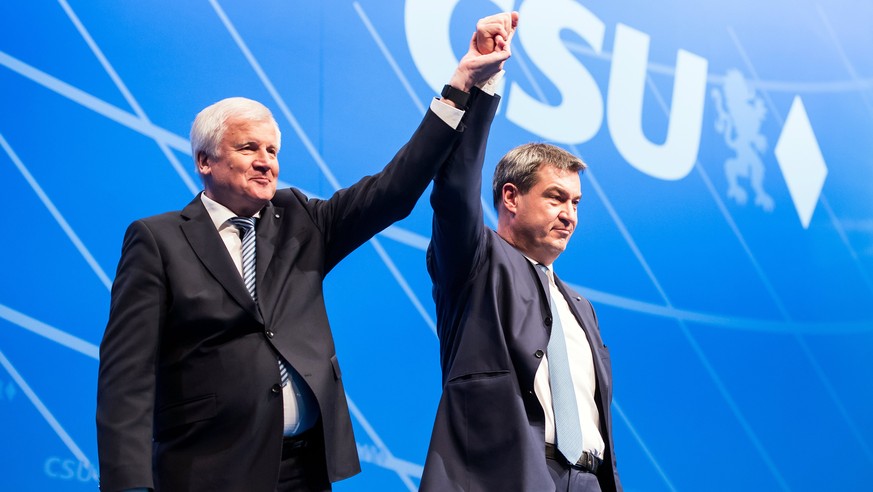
{"x": 263, "y": 159}
{"x": 568, "y": 213}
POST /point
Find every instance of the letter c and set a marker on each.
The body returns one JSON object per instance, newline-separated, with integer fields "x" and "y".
{"x": 427, "y": 34}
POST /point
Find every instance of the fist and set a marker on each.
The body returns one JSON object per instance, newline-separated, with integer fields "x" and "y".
{"x": 495, "y": 32}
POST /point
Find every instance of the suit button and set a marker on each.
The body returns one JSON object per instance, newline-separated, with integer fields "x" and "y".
{"x": 269, "y": 334}
{"x": 548, "y": 321}
{"x": 276, "y": 388}
{"x": 538, "y": 354}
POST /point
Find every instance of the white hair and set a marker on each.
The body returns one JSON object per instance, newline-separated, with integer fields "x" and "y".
{"x": 211, "y": 123}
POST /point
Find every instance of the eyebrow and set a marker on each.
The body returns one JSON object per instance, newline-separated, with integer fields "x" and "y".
{"x": 256, "y": 143}
{"x": 561, "y": 190}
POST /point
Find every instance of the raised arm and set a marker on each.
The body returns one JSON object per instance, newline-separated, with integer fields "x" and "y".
{"x": 457, "y": 223}
{"x": 354, "y": 215}
{"x": 457, "y": 208}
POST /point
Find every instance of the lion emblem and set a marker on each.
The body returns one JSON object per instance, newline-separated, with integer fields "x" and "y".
{"x": 740, "y": 115}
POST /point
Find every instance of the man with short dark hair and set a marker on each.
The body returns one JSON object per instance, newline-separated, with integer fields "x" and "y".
{"x": 218, "y": 369}
{"x": 527, "y": 381}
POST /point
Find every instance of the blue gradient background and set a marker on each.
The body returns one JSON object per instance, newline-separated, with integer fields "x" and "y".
{"x": 741, "y": 341}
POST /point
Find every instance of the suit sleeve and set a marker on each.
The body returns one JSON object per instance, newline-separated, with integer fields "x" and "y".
{"x": 457, "y": 221}
{"x": 126, "y": 379}
{"x": 355, "y": 214}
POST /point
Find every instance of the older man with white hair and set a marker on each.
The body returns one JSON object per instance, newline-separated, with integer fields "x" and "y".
{"x": 217, "y": 368}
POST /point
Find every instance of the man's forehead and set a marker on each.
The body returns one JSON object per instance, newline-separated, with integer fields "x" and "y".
{"x": 553, "y": 177}
{"x": 239, "y": 127}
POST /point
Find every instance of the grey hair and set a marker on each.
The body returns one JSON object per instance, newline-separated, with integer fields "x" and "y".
{"x": 211, "y": 123}
{"x": 520, "y": 165}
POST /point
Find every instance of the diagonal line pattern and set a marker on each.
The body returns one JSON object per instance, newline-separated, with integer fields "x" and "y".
{"x": 698, "y": 351}
{"x": 265, "y": 80}
{"x": 94, "y": 104}
{"x": 47, "y": 415}
{"x": 775, "y": 112}
{"x": 65, "y": 226}
{"x": 844, "y": 58}
{"x": 645, "y": 448}
{"x": 98, "y": 53}
{"x": 807, "y": 351}
{"x": 388, "y": 57}
{"x": 490, "y": 216}
{"x": 49, "y": 332}
{"x": 374, "y": 436}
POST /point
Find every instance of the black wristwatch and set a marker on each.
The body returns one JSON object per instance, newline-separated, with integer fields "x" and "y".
{"x": 457, "y": 96}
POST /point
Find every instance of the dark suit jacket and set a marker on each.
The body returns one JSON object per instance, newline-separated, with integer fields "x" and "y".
{"x": 493, "y": 321}
{"x": 189, "y": 360}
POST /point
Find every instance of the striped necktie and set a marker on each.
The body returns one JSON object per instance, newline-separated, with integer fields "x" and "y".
{"x": 246, "y": 225}
{"x": 567, "y": 423}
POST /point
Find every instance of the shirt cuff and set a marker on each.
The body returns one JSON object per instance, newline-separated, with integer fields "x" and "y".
{"x": 491, "y": 85}
{"x": 450, "y": 114}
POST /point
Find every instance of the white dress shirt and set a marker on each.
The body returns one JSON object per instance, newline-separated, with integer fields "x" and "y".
{"x": 581, "y": 371}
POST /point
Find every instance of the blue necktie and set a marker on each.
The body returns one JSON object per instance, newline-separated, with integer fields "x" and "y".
{"x": 567, "y": 424}
{"x": 246, "y": 225}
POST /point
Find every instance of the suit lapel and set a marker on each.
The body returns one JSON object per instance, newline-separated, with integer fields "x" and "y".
{"x": 545, "y": 295}
{"x": 209, "y": 248}
{"x": 269, "y": 227}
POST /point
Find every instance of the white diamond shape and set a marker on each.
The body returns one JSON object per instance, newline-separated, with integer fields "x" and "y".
{"x": 801, "y": 162}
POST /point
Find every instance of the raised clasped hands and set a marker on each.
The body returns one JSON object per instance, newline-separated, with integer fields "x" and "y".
{"x": 488, "y": 51}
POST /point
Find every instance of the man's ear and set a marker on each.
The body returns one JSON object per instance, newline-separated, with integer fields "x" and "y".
{"x": 510, "y": 194}
{"x": 203, "y": 163}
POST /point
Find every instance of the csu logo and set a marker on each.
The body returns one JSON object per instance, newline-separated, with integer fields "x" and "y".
{"x": 69, "y": 469}
{"x": 582, "y": 108}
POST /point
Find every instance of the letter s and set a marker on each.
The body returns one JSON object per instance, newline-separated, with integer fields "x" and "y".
{"x": 577, "y": 119}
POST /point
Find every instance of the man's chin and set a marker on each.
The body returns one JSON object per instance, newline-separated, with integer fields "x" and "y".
{"x": 265, "y": 193}
{"x": 558, "y": 247}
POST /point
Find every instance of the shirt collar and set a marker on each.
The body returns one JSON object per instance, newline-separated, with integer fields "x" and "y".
{"x": 536, "y": 263}
{"x": 218, "y": 212}
{"x": 550, "y": 273}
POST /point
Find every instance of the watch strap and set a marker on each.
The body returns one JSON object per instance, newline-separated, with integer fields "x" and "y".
{"x": 457, "y": 96}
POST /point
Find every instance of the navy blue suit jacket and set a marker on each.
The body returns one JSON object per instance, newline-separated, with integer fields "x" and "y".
{"x": 493, "y": 321}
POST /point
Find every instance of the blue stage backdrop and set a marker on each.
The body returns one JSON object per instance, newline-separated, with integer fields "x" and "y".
{"x": 725, "y": 237}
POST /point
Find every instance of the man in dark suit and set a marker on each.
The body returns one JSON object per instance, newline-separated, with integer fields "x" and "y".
{"x": 508, "y": 326}
{"x": 217, "y": 368}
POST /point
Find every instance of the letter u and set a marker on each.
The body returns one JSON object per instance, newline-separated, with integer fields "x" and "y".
{"x": 675, "y": 158}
